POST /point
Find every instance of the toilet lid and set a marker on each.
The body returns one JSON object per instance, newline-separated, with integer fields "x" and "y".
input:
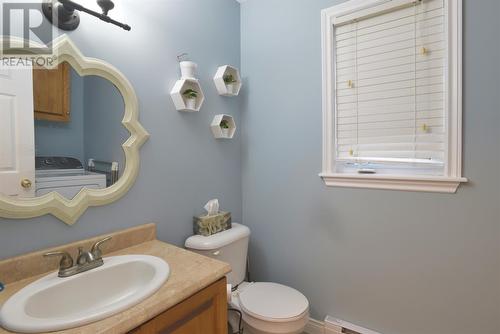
{"x": 272, "y": 301}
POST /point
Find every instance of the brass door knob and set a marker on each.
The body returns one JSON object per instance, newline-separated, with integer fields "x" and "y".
{"x": 26, "y": 183}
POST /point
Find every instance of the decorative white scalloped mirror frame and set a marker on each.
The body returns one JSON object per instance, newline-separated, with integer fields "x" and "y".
{"x": 53, "y": 203}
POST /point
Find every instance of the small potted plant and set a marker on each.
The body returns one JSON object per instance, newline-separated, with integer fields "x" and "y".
{"x": 190, "y": 95}
{"x": 224, "y": 126}
{"x": 231, "y": 83}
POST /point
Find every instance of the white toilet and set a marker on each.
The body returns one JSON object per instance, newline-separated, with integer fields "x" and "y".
{"x": 267, "y": 308}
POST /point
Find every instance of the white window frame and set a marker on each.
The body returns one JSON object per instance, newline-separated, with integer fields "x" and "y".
{"x": 449, "y": 182}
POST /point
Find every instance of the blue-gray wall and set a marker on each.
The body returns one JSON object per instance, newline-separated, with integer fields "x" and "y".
{"x": 64, "y": 138}
{"x": 182, "y": 165}
{"x": 397, "y": 262}
{"x": 104, "y": 133}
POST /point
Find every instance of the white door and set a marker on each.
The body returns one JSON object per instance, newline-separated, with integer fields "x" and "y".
{"x": 17, "y": 143}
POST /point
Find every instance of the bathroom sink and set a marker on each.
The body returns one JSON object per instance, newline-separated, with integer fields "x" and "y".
{"x": 52, "y": 303}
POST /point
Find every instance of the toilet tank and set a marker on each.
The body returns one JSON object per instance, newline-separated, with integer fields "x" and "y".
{"x": 230, "y": 246}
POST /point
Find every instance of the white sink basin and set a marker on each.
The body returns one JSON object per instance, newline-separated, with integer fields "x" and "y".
{"x": 52, "y": 303}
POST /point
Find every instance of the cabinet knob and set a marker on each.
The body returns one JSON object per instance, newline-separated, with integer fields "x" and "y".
{"x": 26, "y": 183}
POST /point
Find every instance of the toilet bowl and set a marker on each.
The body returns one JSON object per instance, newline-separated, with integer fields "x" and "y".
{"x": 266, "y": 307}
{"x": 269, "y": 308}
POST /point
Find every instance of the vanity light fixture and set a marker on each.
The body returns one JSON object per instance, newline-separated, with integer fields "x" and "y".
{"x": 64, "y": 13}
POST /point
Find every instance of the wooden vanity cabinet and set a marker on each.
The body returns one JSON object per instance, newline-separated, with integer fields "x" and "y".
{"x": 203, "y": 313}
{"x": 51, "y": 93}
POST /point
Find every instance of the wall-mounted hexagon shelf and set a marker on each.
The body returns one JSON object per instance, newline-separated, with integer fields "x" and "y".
{"x": 227, "y": 80}
{"x": 223, "y": 126}
{"x": 187, "y": 95}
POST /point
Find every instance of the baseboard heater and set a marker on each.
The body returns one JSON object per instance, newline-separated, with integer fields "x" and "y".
{"x": 337, "y": 326}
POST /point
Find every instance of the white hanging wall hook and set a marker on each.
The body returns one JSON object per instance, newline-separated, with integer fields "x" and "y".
{"x": 182, "y": 57}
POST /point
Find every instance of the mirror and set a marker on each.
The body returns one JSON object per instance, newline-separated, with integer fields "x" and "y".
{"x": 78, "y": 131}
{"x": 69, "y": 135}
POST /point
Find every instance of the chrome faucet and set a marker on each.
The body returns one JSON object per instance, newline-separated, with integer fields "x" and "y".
{"x": 85, "y": 260}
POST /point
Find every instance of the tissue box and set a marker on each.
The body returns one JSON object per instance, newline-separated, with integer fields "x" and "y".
{"x": 208, "y": 225}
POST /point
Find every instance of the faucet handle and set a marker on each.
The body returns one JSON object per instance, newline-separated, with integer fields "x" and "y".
{"x": 96, "y": 250}
{"x": 84, "y": 256}
{"x": 66, "y": 259}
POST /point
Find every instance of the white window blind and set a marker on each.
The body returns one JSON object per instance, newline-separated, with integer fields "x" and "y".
{"x": 390, "y": 86}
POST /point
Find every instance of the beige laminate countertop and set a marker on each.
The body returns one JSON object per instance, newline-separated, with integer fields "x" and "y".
{"x": 189, "y": 273}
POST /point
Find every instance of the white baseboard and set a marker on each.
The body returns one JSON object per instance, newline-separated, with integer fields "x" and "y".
{"x": 315, "y": 327}
{"x": 333, "y": 326}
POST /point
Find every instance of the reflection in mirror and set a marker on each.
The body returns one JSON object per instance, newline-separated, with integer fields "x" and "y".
{"x": 78, "y": 132}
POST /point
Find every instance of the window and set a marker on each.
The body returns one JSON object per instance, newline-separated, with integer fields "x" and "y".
{"x": 392, "y": 94}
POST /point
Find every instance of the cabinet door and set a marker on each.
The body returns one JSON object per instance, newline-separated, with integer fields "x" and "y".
{"x": 17, "y": 143}
{"x": 51, "y": 90}
{"x": 202, "y": 313}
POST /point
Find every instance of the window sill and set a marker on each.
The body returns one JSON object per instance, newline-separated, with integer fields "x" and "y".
{"x": 394, "y": 182}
